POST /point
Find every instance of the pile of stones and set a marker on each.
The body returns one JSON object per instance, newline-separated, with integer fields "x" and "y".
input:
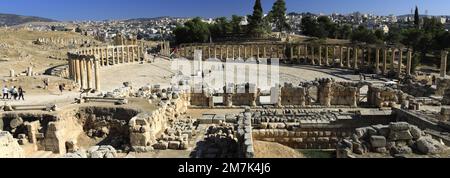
{"x": 219, "y": 142}
{"x": 9, "y": 148}
{"x": 177, "y": 136}
{"x": 103, "y": 151}
{"x": 396, "y": 139}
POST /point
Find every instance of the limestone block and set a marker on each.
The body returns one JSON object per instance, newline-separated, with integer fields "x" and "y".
{"x": 427, "y": 145}
{"x": 400, "y": 135}
{"x": 378, "y": 141}
{"x": 399, "y": 126}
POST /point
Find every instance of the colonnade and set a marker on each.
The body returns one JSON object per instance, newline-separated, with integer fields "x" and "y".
{"x": 86, "y": 62}
{"x": 378, "y": 59}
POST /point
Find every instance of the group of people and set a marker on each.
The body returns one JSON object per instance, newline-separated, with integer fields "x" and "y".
{"x": 13, "y": 93}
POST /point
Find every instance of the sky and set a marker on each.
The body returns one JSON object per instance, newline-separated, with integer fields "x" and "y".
{"x": 66, "y": 10}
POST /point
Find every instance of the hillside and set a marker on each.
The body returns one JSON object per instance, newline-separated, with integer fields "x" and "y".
{"x": 12, "y": 19}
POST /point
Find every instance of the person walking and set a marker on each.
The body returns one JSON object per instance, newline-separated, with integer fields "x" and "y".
{"x": 21, "y": 93}
{"x": 5, "y": 92}
{"x": 45, "y": 83}
{"x": 61, "y": 88}
{"x": 13, "y": 92}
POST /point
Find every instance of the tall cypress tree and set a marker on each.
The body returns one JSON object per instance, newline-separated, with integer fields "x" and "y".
{"x": 417, "y": 18}
{"x": 255, "y": 26}
{"x": 278, "y": 15}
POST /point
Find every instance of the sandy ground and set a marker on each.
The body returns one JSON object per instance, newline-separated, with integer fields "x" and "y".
{"x": 138, "y": 74}
{"x": 157, "y": 73}
{"x": 274, "y": 150}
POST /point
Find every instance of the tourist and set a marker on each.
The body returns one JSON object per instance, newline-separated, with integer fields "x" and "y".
{"x": 14, "y": 92}
{"x": 61, "y": 88}
{"x": 45, "y": 83}
{"x": 5, "y": 92}
{"x": 21, "y": 92}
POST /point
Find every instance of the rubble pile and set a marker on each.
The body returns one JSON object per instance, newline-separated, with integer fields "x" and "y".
{"x": 103, "y": 151}
{"x": 395, "y": 139}
{"x": 219, "y": 142}
{"x": 177, "y": 136}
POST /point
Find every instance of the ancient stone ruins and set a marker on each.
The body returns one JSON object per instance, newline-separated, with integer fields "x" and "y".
{"x": 353, "y": 118}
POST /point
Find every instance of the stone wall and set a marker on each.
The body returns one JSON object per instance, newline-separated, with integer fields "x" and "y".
{"x": 245, "y": 135}
{"x": 329, "y": 93}
{"x": 146, "y": 127}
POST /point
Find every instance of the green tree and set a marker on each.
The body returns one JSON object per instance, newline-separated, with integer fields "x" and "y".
{"x": 221, "y": 27}
{"x": 417, "y": 18}
{"x": 193, "y": 31}
{"x": 256, "y": 25}
{"x": 278, "y": 15}
{"x": 309, "y": 26}
{"x": 380, "y": 35}
{"x": 236, "y": 24}
{"x": 345, "y": 31}
{"x": 394, "y": 36}
{"x": 362, "y": 34}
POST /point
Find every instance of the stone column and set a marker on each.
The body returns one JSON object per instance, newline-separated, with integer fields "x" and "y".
{"x": 341, "y": 56}
{"x": 257, "y": 52}
{"x": 233, "y": 52}
{"x": 264, "y": 52}
{"x": 82, "y": 70}
{"x": 292, "y": 53}
{"x": 444, "y": 55}
{"x": 239, "y": 52}
{"x": 377, "y": 60}
{"x": 385, "y": 51}
{"x": 89, "y": 73}
{"x": 327, "y": 56}
{"x": 227, "y": 52}
{"x": 97, "y": 75}
{"x": 306, "y": 54}
{"x": 393, "y": 59}
{"x": 334, "y": 55}
{"x": 78, "y": 71}
{"x": 408, "y": 63}
{"x": 400, "y": 60}
{"x": 369, "y": 60}
{"x": 215, "y": 52}
{"x": 320, "y": 55}
{"x": 221, "y": 53}
{"x": 313, "y": 62}
{"x": 349, "y": 52}
{"x": 355, "y": 61}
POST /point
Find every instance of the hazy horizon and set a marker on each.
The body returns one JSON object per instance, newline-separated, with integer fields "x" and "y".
{"x": 70, "y": 10}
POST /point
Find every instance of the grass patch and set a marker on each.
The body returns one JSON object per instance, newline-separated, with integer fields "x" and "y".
{"x": 318, "y": 153}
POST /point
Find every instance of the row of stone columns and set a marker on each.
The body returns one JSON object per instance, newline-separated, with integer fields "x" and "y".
{"x": 86, "y": 62}
{"x": 353, "y": 57}
{"x": 113, "y": 55}
{"x": 81, "y": 69}
{"x": 165, "y": 48}
{"x": 242, "y": 51}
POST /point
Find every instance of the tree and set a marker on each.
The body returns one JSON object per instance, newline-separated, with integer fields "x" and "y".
{"x": 362, "y": 34}
{"x": 394, "y": 36}
{"x": 220, "y": 28}
{"x": 417, "y": 18}
{"x": 193, "y": 31}
{"x": 236, "y": 24}
{"x": 345, "y": 31}
{"x": 309, "y": 26}
{"x": 278, "y": 15}
{"x": 256, "y": 24}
